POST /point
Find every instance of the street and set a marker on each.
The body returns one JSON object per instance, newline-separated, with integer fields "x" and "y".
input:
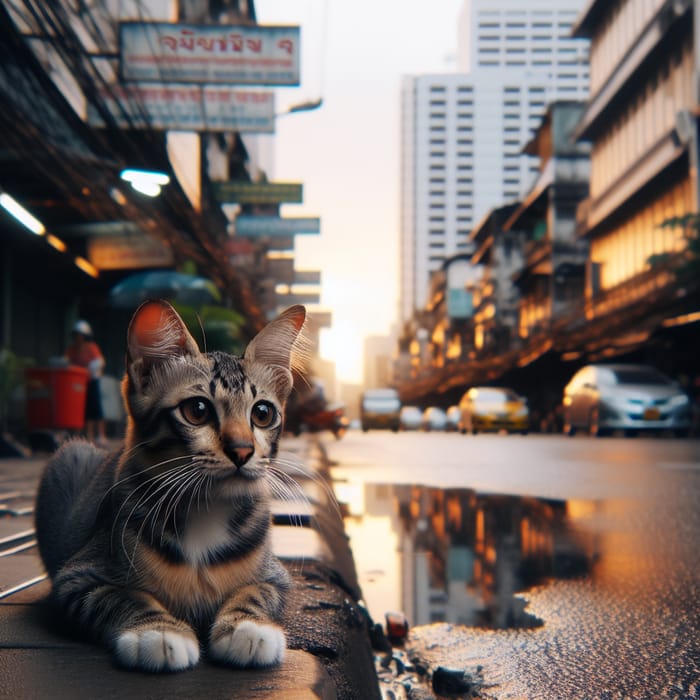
{"x": 578, "y": 554}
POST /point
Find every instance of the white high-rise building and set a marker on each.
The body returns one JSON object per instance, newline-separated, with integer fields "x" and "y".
{"x": 462, "y": 133}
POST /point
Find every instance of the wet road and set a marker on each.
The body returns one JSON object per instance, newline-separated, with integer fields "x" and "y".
{"x": 566, "y": 568}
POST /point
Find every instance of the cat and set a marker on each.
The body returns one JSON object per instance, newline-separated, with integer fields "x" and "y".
{"x": 165, "y": 545}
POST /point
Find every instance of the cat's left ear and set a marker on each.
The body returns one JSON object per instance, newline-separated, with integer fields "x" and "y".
{"x": 275, "y": 344}
{"x": 157, "y": 332}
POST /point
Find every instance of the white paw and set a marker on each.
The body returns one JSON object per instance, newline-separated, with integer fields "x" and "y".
{"x": 250, "y": 644}
{"x": 156, "y": 650}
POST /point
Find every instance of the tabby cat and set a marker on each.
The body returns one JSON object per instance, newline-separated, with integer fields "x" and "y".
{"x": 166, "y": 543}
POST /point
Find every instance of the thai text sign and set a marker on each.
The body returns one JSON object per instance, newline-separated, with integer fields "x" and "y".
{"x": 258, "y": 192}
{"x": 187, "y": 53}
{"x": 187, "y": 108}
{"x": 254, "y": 226}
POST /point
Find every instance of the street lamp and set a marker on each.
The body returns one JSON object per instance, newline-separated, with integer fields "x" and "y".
{"x": 307, "y": 106}
{"x": 148, "y": 182}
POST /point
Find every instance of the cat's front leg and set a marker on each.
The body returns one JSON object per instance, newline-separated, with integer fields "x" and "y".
{"x": 244, "y": 634}
{"x": 138, "y": 630}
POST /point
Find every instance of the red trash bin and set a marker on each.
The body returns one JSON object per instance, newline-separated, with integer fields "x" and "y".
{"x": 56, "y": 397}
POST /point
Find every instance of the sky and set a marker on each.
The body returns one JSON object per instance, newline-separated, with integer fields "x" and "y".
{"x": 346, "y": 153}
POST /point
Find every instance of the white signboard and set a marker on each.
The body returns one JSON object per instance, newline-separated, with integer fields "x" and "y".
{"x": 187, "y": 108}
{"x": 187, "y": 53}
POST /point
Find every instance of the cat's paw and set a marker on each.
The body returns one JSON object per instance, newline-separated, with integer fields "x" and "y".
{"x": 249, "y": 644}
{"x": 156, "y": 650}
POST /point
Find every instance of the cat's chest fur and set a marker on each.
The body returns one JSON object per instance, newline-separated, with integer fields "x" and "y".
{"x": 190, "y": 587}
{"x": 205, "y": 533}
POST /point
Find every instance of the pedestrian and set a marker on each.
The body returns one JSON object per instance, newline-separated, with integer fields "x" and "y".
{"x": 84, "y": 352}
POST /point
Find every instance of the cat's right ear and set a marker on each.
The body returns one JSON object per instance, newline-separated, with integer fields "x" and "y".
{"x": 157, "y": 333}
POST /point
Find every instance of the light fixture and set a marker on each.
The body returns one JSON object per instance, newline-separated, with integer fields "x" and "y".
{"x": 148, "y": 182}
{"x": 56, "y": 242}
{"x": 86, "y": 266}
{"x": 28, "y": 220}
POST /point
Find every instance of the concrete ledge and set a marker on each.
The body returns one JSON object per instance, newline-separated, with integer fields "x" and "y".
{"x": 329, "y": 654}
{"x": 87, "y": 672}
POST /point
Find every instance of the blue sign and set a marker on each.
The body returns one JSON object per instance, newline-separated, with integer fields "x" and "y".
{"x": 459, "y": 303}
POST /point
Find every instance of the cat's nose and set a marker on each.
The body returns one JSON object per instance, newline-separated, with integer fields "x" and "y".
{"x": 238, "y": 452}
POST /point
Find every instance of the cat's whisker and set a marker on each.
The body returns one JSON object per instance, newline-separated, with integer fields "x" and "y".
{"x": 191, "y": 479}
{"x": 203, "y": 485}
{"x": 139, "y": 473}
{"x": 287, "y": 489}
{"x": 163, "y": 493}
{"x": 305, "y": 472}
{"x": 154, "y": 485}
{"x": 146, "y": 484}
{"x": 172, "y": 483}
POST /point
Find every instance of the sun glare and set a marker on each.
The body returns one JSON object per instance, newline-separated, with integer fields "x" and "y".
{"x": 342, "y": 345}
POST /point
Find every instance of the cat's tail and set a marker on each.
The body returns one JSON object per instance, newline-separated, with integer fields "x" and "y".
{"x": 63, "y": 514}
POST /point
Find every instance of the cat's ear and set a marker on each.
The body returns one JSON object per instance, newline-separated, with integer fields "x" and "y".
{"x": 277, "y": 344}
{"x": 157, "y": 332}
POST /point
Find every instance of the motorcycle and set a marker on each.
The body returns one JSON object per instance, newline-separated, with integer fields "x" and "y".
{"x": 317, "y": 419}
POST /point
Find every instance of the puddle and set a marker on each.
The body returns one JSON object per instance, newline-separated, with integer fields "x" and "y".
{"x": 459, "y": 556}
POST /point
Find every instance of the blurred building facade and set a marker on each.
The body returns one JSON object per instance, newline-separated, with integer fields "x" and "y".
{"x": 71, "y": 124}
{"x": 462, "y": 134}
{"x": 600, "y": 257}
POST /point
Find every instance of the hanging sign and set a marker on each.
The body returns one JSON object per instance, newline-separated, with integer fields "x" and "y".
{"x": 258, "y": 192}
{"x": 187, "y": 108}
{"x": 187, "y": 53}
{"x": 254, "y": 226}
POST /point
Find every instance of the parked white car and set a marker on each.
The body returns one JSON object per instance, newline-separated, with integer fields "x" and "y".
{"x": 606, "y": 397}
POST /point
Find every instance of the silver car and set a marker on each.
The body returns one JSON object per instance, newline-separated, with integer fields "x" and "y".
{"x": 605, "y": 397}
{"x": 410, "y": 418}
{"x": 434, "y": 418}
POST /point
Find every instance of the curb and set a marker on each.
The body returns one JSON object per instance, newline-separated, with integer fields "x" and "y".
{"x": 329, "y": 653}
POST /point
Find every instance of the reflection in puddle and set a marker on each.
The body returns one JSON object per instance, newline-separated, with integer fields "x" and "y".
{"x": 460, "y": 556}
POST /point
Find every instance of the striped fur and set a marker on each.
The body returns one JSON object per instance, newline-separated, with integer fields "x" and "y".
{"x": 164, "y": 547}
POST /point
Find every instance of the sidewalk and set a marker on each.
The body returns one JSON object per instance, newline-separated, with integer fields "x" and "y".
{"x": 329, "y": 653}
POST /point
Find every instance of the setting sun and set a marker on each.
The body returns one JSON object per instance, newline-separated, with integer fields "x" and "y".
{"x": 343, "y": 345}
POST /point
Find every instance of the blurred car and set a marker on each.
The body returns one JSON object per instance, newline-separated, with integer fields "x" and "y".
{"x": 453, "y": 415}
{"x": 487, "y": 408}
{"x": 605, "y": 397}
{"x": 410, "y": 418}
{"x": 380, "y": 408}
{"x": 434, "y": 418}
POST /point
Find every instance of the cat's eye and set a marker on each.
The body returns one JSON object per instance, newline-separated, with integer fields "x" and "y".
{"x": 196, "y": 411}
{"x": 263, "y": 414}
